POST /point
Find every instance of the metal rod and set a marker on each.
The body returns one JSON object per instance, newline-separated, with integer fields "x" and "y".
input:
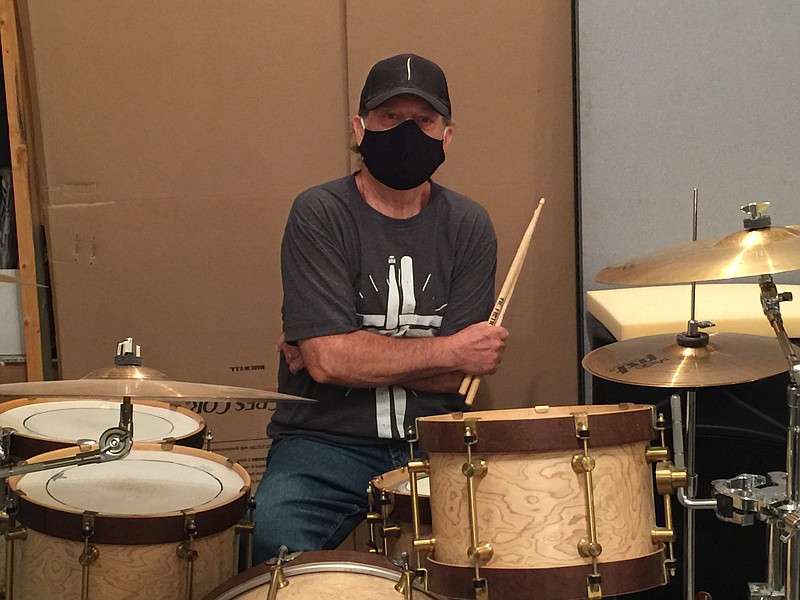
{"x": 689, "y": 520}
{"x": 695, "y": 504}
{"x": 793, "y": 491}
{"x": 776, "y": 559}
{"x": 694, "y": 239}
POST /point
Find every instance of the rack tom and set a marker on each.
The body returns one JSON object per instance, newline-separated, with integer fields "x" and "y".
{"x": 531, "y": 503}
{"x": 44, "y": 424}
{"x": 156, "y": 523}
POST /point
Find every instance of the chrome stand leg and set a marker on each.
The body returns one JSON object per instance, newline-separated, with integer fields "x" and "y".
{"x": 691, "y": 491}
{"x": 793, "y": 491}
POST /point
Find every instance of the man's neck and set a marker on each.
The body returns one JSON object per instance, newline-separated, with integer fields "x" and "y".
{"x": 397, "y": 204}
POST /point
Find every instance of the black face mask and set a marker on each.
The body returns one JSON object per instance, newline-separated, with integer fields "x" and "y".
{"x": 402, "y": 157}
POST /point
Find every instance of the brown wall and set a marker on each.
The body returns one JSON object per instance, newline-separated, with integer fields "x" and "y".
{"x": 173, "y": 136}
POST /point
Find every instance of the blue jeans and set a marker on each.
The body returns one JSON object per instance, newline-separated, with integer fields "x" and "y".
{"x": 314, "y": 492}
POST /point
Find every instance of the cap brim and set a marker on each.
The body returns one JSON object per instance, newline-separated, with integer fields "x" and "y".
{"x": 437, "y": 104}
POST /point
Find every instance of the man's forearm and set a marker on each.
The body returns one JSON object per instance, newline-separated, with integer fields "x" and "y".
{"x": 364, "y": 359}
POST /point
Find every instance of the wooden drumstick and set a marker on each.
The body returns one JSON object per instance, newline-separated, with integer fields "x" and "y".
{"x": 470, "y": 384}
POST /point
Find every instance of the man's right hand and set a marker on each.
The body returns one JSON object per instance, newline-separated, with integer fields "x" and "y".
{"x": 479, "y": 348}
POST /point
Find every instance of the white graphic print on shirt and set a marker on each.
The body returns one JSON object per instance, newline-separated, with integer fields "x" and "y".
{"x": 400, "y": 320}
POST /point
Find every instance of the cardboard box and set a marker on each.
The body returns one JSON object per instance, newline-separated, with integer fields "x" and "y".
{"x": 172, "y": 137}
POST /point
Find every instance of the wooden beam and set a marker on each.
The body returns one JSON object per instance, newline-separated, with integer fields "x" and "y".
{"x": 18, "y": 138}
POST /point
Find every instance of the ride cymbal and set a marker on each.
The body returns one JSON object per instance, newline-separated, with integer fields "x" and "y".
{"x": 659, "y": 361}
{"x": 140, "y": 382}
{"x": 742, "y": 254}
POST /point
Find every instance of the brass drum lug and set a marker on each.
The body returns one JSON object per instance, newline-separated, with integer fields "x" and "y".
{"x": 419, "y": 466}
{"x": 392, "y": 530}
{"x": 589, "y": 549}
{"x": 582, "y": 463}
{"x": 247, "y": 528}
{"x": 669, "y": 479}
{"x": 186, "y": 552}
{"x": 480, "y": 553}
{"x": 662, "y": 535}
{"x": 373, "y": 517}
{"x": 89, "y": 555}
{"x": 656, "y": 454}
{"x": 474, "y": 468}
{"x": 18, "y": 533}
{"x": 424, "y": 544}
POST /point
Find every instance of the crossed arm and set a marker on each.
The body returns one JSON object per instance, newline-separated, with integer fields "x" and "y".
{"x": 432, "y": 364}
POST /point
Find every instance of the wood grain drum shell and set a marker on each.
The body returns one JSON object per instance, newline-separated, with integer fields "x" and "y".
{"x": 140, "y": 506}
{"x": 531, "y": 505}
{"x": 321, "y": 575}
{"x": 44, "y": 424}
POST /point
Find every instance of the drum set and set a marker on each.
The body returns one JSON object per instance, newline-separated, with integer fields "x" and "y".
{"x": 557, "y": 502}
{"x": 97, "y": 509}
{"x": 550, "y": 502}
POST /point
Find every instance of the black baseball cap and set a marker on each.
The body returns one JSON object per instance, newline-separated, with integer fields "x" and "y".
{"x": 406, "y": 74}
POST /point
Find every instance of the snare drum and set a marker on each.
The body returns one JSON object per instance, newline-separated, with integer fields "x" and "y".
{"x": 531, "y": 503}
{"x": 393, "y": 519}
{"x": 145, "y": 514}
{"x": 44, "y": 424}
{"x": 321, "y": 575}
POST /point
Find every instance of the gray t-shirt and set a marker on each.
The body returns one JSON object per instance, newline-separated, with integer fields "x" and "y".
{"x": 345, "y": 267}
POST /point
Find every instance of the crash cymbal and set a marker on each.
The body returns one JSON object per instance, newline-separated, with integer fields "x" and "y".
{"x": 9, "y": 279}
{"x": 742, "y": 254}
{"x": 659, "y": 361}
{"x": 140, "y": 382}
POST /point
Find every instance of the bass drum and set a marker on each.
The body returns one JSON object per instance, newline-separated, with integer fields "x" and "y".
{"x": 321, "y": 575}
{"x": 44, "y": 424}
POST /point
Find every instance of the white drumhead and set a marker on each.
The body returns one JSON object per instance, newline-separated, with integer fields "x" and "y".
{"x": 146, "y": 482}
{"x": 87, "y": 419}
{"x": 423, "y": 486}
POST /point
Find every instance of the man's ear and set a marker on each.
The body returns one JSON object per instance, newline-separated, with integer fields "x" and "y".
{"x": 448, "y": 136}
{"x": 358, "y": 128}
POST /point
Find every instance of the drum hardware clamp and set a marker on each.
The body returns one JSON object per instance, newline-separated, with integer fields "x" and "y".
{"x": 584, "y": 464}
{"x": 279, "y": 580}
{"x": 90, "y": 552}
{"x": 671, "y": 477}
{"x": 185, "y": 550}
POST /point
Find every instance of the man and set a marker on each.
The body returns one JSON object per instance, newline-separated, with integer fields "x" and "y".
{"x": 388, "y": 281}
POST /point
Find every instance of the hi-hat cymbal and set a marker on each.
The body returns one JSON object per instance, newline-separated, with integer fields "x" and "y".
{"x": 9, "y": 279}
{"x": 140, "y": 382}
{"x": 742, "y": 254}
{"x": 659, "y": 361}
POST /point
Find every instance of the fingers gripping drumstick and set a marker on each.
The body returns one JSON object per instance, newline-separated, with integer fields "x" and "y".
{"x": 470, "y": 383}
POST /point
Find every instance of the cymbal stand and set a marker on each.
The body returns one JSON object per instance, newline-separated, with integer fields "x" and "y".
{"x": 786, "y": 516}
{"x": 774, "y": 498}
